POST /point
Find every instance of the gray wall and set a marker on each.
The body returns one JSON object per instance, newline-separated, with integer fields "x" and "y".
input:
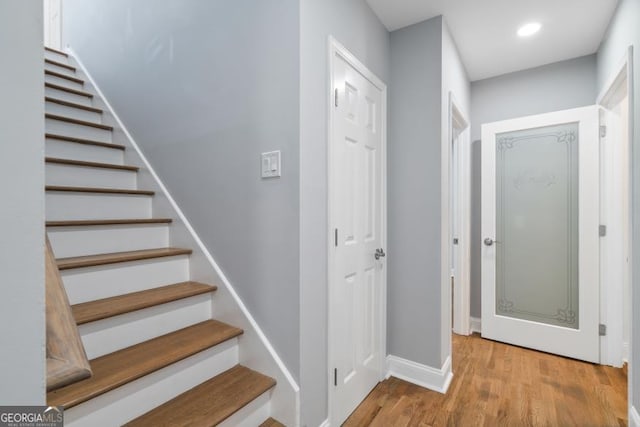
{"x": 204, "y": 87}
{"x": 354, "y": 25}
{"x": 558, "y": 86}
{"x": 22, "y": 358}
{"x": 624, "y": 31}
{"x": 414, "y": 150}
{"x": 455, "y": 83}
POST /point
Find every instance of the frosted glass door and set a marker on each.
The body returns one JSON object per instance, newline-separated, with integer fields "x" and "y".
{"x": 540, "y": 243}
{"x": 537, "y": 224}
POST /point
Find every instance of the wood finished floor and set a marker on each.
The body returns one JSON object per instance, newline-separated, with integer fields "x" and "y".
{"x": 495, "y": 384}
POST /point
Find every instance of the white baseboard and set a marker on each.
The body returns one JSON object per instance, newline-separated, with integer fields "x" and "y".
{"x": 325, "y": 423}
{"x": 476, "y": 325}
{"x": 419, "y": 374}
{"x": 634, "y": 417}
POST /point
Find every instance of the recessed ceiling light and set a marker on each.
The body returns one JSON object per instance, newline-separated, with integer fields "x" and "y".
{"x": 529, "y": 29}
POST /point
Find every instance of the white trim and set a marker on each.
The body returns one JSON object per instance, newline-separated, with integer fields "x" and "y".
{"x": 634, "y": 417}
{"x": 336, "y": 48}
{"x": 325, "y": 423}
{"x": 416, "y": 373}
{"x": 612, "y": 347}
{"x": 476, "y": 325}
{"x": 614, "y": 78}
{"x": 226, "y": 283}
{"x": 459, "y": 123}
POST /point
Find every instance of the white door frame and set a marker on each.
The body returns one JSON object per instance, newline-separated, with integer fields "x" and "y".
{"x": 337, "y": 49}
{"x": 53, "y": 24}
{"x": 459, "y": 128}
{"x": 611, "y": 296}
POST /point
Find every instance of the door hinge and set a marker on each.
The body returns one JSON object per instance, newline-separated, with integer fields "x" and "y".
{"x": 602, "y": 329}
{"x": 602, "y": 230}
{"x": 335, "y": 377}
{"x": 336, "y": 237}
{"x": 603, "y": 131}
{"x": 336, "y": 97}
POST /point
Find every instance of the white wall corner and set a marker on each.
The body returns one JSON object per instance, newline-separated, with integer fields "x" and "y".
{"x": 634, "y": 417}
{"x": 476, "y": 325}
{"x": 416, "y": 373}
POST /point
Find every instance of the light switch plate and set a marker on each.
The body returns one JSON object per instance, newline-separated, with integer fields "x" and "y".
{"x": 271, "y": 165}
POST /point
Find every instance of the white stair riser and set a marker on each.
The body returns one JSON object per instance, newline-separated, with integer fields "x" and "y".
{"x": 109, "y": 335}
{"x": 70, "y": 175}
{"x": 251, "y": 415}
{"x": 92, "y": 240}
{"x": 56, "y": 57}
{"x": 63, "y": 82}
{"x": 66, "y": 96}
{"x": 138, "y": 397}
{"x": 89, "y": 153}
{"x": 71, "y": 206}
{"x": 78, "y": 131}
{"x": 93, "y": 283}
{"x": 76, "y": 113}
{"x": 58, "y": 69}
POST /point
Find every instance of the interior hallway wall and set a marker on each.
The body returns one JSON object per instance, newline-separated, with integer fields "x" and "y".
{"x": 205, "y": 87}
{"x": 22, "y": 306}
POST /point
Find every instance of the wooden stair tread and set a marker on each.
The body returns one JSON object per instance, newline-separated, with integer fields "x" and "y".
{"x": 59, "y": 52}
{"x": 84, "y": 141}
{"x": 99, "y": 190}
{"x": 126, "y": 365}
{"x": 59, "y": 64}
{"x": 98, "y": 222}
{"x": 64, "y": 76}
{"x": 73, "y": 105}
{"x": 77, "y": 121}
{"x": 69, "y": 162}
{"x": 121, "y": 304}
{"x": 211, "y": 402}
{"x": 270, "y": 422}
{"x": 68, "y": 89}
{"x": 117, "y": 257}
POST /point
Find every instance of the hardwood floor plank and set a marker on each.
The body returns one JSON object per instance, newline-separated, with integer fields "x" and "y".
{"x": 496, "y": 384}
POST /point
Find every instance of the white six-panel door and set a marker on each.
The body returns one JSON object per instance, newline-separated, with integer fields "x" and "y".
{"x": 540, "y": 219}
{"x": 357, "y": 277}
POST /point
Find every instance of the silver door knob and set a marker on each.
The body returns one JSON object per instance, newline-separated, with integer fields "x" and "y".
{"x": 379, "y": 253}
{"x": 489, "y": 241}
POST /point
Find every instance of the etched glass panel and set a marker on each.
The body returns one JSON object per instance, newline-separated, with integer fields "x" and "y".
{"x": 537, "y": 225}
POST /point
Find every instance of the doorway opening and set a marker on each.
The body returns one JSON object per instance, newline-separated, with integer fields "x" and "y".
{"x": 459, "y": 225}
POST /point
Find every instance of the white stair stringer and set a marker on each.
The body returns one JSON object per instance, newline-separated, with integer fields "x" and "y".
{"x": 254, "y": 350}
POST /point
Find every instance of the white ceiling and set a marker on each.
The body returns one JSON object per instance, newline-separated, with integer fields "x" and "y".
{"x": 485, "y": 30}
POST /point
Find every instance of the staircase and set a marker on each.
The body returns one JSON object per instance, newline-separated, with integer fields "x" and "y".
{"x": 158, "y": 352}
